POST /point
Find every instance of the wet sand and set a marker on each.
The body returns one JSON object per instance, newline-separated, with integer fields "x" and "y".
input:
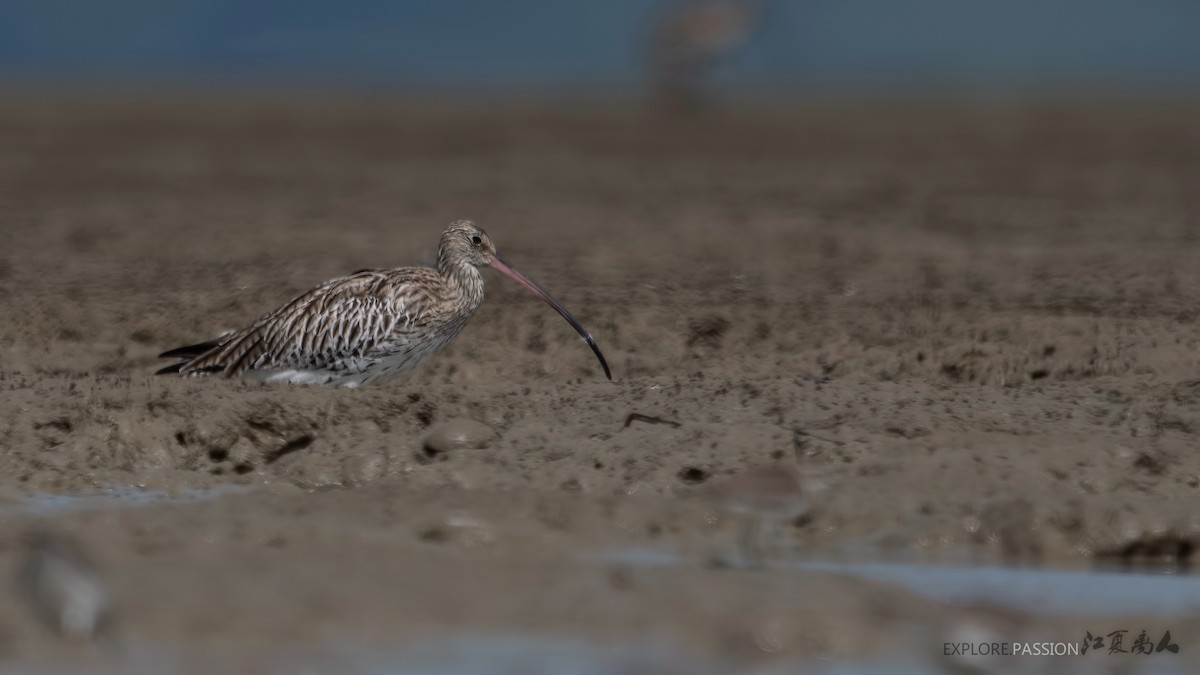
{"x": 976, "y": 326}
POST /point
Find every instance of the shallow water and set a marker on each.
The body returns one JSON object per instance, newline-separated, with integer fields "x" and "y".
{"x": 501, "y": 654}
{"x": 1038, "y": 591}
{"x": 525, "y": 654}
{"x": 1045, "y": 592}
{"x": 120, "y": 496}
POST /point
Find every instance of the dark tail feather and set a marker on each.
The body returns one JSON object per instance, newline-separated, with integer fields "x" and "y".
{"x": 191, "y": 351}
{"x": 186, "y": 354}
{"x": 173, "y": 368}
{"x": 176, "y": 367}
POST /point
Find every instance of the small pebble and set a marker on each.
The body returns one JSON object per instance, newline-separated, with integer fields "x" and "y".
{"x": 362, "y": 469}
{"x": 243, "y": 452}
{"x": 459, "y": 529}
{"x": 459, "y": 434}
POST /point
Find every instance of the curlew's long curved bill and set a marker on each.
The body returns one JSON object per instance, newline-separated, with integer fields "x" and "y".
{"x": 507, "y": 270}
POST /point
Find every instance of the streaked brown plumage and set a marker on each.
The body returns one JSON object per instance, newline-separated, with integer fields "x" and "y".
{"x": 367, "y": 327}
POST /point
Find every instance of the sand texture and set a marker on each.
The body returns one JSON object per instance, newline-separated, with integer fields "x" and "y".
{"x": 972, "y": 330}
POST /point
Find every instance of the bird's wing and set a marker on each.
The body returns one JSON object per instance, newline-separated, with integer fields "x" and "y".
{"x": 341, "y": 319}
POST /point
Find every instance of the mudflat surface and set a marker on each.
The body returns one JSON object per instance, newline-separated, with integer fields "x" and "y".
{"x": 974, "y": 327}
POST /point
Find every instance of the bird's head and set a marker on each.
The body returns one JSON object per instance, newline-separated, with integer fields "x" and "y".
{"x": 465, "y": 241}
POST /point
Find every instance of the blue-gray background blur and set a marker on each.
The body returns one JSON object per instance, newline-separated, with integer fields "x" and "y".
{"x": 570, "y": 45}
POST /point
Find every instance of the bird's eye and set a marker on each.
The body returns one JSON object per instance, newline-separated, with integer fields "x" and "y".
{"x": 476, "y": 240}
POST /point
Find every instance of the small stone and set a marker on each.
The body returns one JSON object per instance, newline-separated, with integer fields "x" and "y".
{"x": 459, "y": 529}
{"x": 312, "y": 472}
{"x": 363, "y": 469}
{"x": 458, "y": 434}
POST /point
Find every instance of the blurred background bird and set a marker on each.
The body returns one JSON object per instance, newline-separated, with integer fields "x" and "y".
{"x": 691, "y": 40}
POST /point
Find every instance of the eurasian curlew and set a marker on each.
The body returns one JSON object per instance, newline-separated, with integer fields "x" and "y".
{"x": 368, "y": 327}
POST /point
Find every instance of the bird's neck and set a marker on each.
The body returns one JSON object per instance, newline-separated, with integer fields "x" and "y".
{"x": 463, "y": 280}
